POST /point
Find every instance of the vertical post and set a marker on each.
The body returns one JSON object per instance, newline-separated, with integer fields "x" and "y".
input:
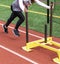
{"x": 48, "y": 12}
{"x": 51, "y": 20}
{"x": 45, "y": 33}
{"x": 26, "y": 14}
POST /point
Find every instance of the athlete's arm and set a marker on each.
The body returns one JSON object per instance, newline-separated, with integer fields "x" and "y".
{"x": 42, "y": 4}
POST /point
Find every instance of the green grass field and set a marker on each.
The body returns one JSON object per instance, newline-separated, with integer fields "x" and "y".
{"x": 36, "y": 20}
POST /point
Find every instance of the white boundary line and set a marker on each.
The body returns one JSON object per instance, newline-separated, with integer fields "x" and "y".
{"x": 24, "y": 32}
{"x": 17, "y": 54}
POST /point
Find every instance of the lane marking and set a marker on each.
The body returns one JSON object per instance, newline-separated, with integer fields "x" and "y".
{"x": 24, "y": 32}
{"x": 17, "y": 54}
{"x": 31, "y": 11}
{"x": 28, "y": 33}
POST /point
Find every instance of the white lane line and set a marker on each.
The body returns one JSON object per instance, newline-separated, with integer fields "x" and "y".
{"x": 24, "y": 32}
{"x": 28, "y": 33}
{"x": 17, "y": 54}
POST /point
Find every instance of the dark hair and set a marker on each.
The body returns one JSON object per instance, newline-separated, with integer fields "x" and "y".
{"x": 32, "y": 1}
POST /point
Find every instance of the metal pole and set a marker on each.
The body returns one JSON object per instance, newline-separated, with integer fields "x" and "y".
{"x": 48, "y": 12}
{"x": 45, "y": 33}
{"x": 26, "y": 14}
{"x": 51, "y": 20}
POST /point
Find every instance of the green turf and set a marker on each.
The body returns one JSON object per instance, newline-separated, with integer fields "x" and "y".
{"x": 36, "y": 21}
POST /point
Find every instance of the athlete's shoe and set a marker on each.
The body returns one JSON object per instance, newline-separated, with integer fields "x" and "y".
{"x": 16, "y": 32}
{"x": 5, "y": 28}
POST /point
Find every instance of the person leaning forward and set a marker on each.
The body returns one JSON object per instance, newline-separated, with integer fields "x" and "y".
{"x": 17, "y": 7}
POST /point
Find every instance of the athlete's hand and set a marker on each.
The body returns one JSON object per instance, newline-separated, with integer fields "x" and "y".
{"x": 52, "y": 4}
{"x": 25, "y": 10}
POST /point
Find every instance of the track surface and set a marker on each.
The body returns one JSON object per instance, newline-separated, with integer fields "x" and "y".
{"x": 11, "y": 48}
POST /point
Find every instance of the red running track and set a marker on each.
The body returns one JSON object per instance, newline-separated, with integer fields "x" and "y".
{"x": 11, "y": 48}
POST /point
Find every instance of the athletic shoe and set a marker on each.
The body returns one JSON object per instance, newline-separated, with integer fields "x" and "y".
{"x": 16, "y": 32}
{"x": 5, "y": 28}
